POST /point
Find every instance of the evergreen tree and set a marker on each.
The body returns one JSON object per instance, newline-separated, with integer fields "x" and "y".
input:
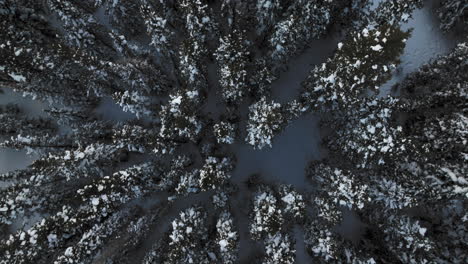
{"x": 453, "y": 14}
{"x": 362, "y": 63}
{"x": 227, "y": 238}
{"x": 232, "y": 56}
{"x": 265, "y": 119}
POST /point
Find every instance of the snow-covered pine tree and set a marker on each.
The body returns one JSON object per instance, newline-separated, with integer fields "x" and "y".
{"x": 267, "y": 14}
{"x": 452, "y": 14}
{"x": 361, "y": 64}
{"x": 265, "y": 120}
{"x": 99, "y": 200}
{"x": 225, "y": 132}
{"x": 303, "y": 21}
{"x": 395, "y": 12}
{"x": 232, "y": 57}
{"x": 368, "y": 134}
{"x": 436, "y": 122}
{"x": 53, "y": 64}
{"x": 185, "y": 242}
{"x": 157, "y": 18}
{"x": 227, "y": 238}
{"x": 267, "y": 217}
{"x": 279, "y": 248}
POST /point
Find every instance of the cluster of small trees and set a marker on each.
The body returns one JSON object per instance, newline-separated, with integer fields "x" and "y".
{"x": 192, "y": 239}
{"x": 363, "y": 62}
{"x": 401, "y": 165}
{"x": 274, "y": 212}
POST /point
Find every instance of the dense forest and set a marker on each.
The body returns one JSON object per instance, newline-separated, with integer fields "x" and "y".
{"x": 150, "y": 112}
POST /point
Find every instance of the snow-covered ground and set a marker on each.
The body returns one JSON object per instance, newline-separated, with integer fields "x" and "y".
{"x": 109, "y": 110}
{"x": 13, "y": 160}
{"x": 286, "y": 160}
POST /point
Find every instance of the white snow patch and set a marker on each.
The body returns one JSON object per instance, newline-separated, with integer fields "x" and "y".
{"x": 95, "y": 201}
{"x": 377, "y": 47}
{"x": 17, "y": 77}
